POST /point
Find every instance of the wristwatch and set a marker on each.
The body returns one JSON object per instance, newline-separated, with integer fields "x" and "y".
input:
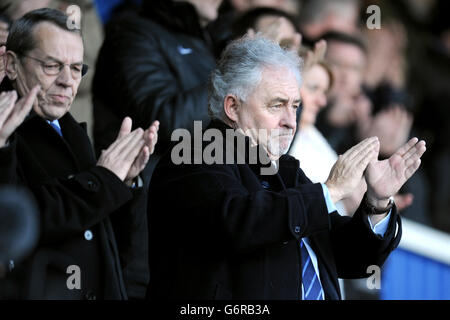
{"x": 374, "y": 210}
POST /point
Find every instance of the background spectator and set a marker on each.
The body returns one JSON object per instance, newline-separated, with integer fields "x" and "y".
{"x": 321, "y": 16}
{"x": 223, "y": 29}
{"x": 347, "y": 59}
{"x": 272, "y": 23}
{"x": 154, "y": 65}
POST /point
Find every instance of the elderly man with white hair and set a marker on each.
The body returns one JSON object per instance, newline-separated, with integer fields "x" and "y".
{"x": 226, "y": 229}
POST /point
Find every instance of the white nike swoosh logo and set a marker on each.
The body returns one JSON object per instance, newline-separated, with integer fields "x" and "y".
{"x": 184, "y": 51}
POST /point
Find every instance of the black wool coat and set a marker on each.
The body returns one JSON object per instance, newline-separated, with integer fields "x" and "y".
{"x": 88, "y": 217}
{"x": 225, "y": 231}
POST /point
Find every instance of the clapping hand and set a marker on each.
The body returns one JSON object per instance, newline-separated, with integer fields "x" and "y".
{"x": 385, "y": 178}
{"x": 129, "y": 154}
{"x": 13, "y": 113}
{"x": 150, "y": 137}
{"x": 347, "y": 172}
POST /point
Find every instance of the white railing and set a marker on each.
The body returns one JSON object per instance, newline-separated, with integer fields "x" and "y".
{"x": 425, "y": 241}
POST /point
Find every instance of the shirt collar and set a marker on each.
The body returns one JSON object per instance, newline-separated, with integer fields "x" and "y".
{"x": 55, "y": 122}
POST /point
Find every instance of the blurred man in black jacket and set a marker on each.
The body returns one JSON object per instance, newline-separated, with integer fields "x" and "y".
{"x": 154, "y": 65}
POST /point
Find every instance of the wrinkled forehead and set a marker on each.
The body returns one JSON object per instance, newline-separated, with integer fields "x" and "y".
{"x": 51, "y": 40}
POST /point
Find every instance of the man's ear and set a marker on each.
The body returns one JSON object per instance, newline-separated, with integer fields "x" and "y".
{"x": 231, "y": 107}
{"x": 11, "y": 65}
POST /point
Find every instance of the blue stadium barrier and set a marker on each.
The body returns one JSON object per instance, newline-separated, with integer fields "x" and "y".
{"x": 420, "y": 267}
{"x": 105, "y": 7}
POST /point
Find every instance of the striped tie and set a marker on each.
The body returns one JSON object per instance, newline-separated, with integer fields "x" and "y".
{"x": 311, "y": 284}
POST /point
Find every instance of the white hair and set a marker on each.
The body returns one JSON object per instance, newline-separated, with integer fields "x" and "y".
{"x": 240, "y": 68}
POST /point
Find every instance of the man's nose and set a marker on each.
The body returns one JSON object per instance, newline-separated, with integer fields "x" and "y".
{"x": 289, "y": 118}
{"x": 65, "y": 77}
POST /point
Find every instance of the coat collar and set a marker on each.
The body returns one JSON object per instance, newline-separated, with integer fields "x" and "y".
{"x": 287, "y": 166}
{"x": 74, "y": 144}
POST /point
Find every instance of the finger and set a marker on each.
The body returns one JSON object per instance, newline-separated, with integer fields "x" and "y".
{"x": 152, "y": 129}
{"x": 5, "y": 100}
{"x": 132, "y": 150}
{"x": 412, "y": 169}
{"x": 406, "y": 147}
{"x": 154, "y": 125}
{"x": 350, "y": 151}
{"x": 24, "y": 105}
{"x": 22, "y": 108}
{"x": 153, "y": 139}
{"x": 6, "y": 106}
{"x": 418, "y": 149}
{"x": 415, "y": 156}
{"x": 125, "y": 128}
{"x": 363, "y": 160}
{"x": 132, "y": 147}
{"x": 126, "y": 146}
{"x": 117, "y": 146}
{"x": 360, "y": 147}
{"x": 138, "y": 162}
{"x": 144, "y": 156}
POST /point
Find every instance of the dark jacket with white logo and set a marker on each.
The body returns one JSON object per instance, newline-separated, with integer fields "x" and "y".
{"x": 153, "y": 66}
{"x": 226, "y": 231}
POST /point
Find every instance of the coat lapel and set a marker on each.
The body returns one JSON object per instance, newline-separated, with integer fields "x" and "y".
{"x": 320, "y": 242}
{"x": 73, "y": 150}
{"x": 78, "y": 142}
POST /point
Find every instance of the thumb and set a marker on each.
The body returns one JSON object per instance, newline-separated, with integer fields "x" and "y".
{"x": 125, "y": 128}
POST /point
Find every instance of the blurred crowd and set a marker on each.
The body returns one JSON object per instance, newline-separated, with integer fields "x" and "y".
{"x": 152, "y": 59}
{"x": 388, "y": 82}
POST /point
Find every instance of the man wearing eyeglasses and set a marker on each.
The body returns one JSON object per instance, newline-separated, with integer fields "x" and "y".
{"x": 93, "y": 213}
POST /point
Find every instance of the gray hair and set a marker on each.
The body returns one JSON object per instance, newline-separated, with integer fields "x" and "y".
{"x": 240, "y": 67}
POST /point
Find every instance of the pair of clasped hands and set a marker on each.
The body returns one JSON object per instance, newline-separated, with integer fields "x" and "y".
{"x": 384, "y": 178}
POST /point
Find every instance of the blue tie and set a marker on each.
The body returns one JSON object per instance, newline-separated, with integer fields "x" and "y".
{"x": 58, "y": 129}
{"x": 311, "y": 284}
